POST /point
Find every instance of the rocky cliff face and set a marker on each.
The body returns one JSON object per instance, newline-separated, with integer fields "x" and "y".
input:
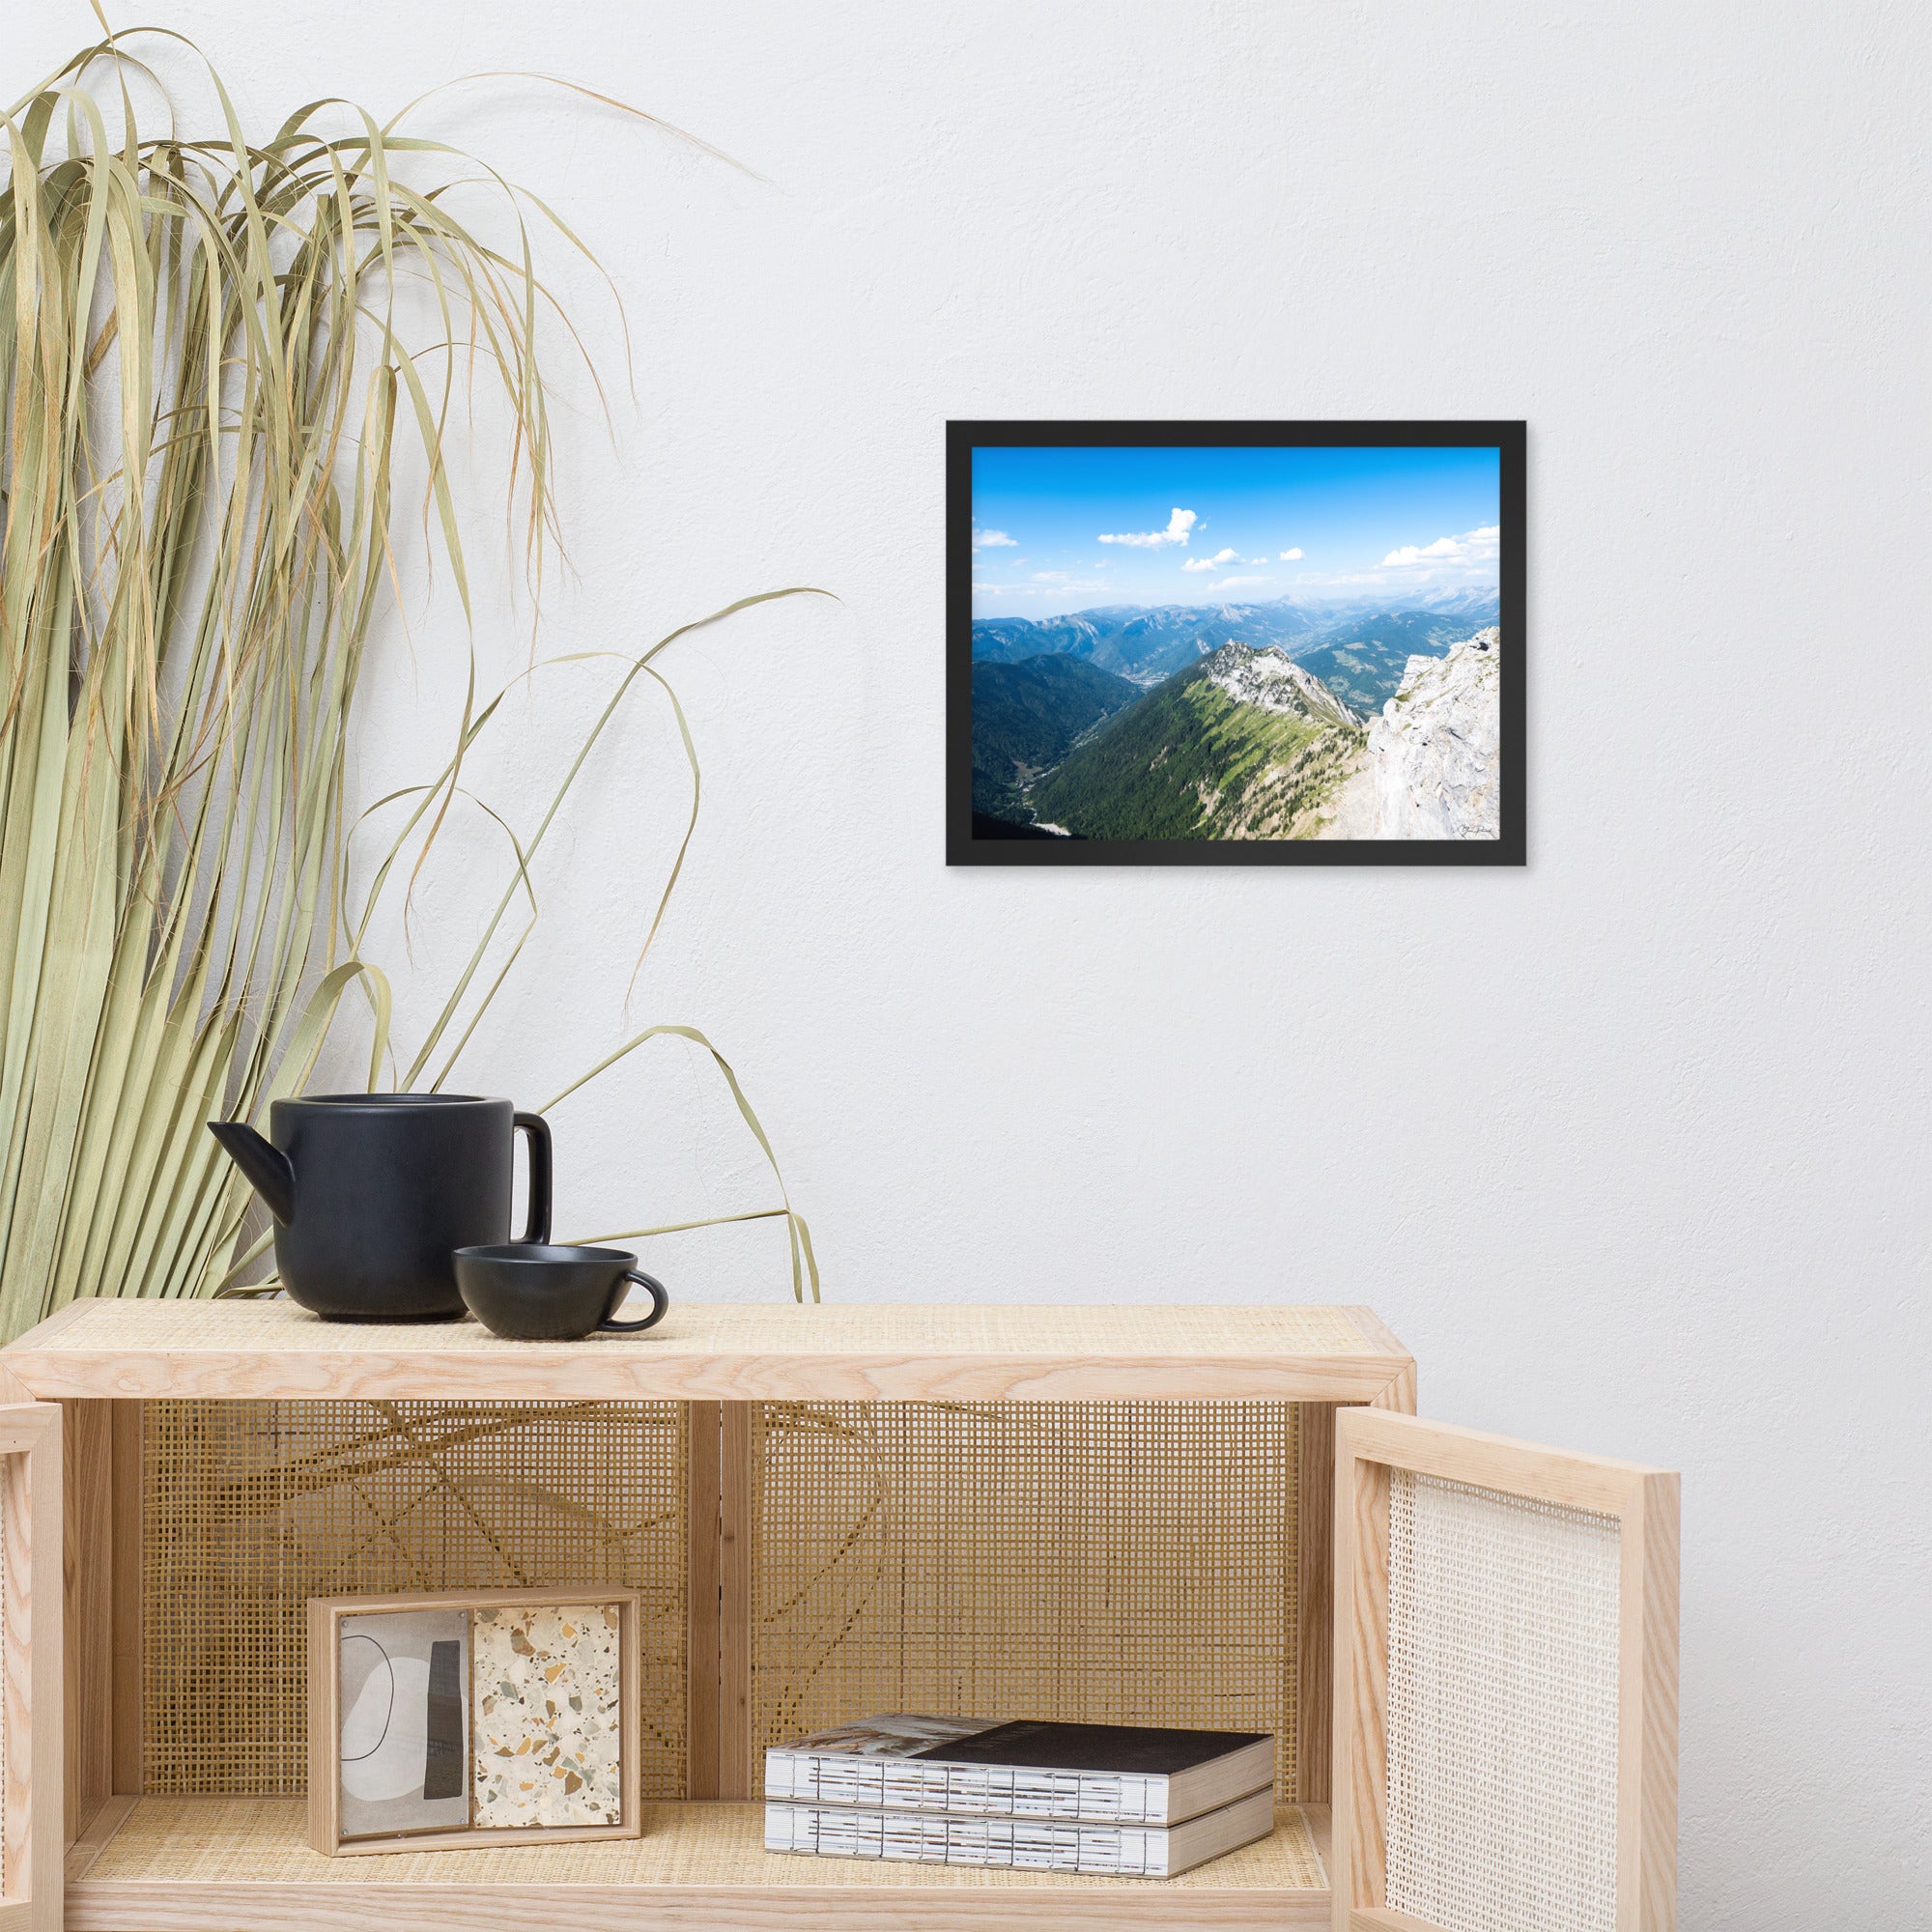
{"x": 1435, "y": 751}
{"x": 1268, "y": 679}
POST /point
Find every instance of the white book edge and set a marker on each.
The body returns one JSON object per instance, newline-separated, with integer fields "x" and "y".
{"x": 1114, "y": 1851}
{"x": 1019, "y": 1791}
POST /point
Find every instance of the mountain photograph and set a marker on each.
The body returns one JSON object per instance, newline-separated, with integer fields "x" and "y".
{"x": 1291, "y": 645}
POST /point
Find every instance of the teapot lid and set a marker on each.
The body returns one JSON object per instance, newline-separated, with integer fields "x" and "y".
{"x": 387, "y": 1100}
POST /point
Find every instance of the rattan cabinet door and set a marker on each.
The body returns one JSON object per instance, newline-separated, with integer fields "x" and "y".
{"x": 1505, "y": 1685}
{"x": 31, "y": 1823}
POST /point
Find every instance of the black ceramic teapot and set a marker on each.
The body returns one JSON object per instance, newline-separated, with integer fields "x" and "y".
{"x": 373, "y": 1192}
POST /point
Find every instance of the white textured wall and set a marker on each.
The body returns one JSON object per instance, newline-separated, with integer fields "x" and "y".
{"x": 1630, "y": 1146}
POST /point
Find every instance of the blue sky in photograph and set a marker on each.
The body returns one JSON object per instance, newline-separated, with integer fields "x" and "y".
{"x": 1064, "y": 530}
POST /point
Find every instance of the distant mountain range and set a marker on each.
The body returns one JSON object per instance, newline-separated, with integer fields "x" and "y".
{"x": 1360, "y": 649}
{"x": 1140, "y": 642}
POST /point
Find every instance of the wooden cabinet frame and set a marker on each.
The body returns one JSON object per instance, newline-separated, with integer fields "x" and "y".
{"x": 103, "y": 1360}
{"x": 100, "y": 1361}
{"x": 1644, "y": 1502}
{"x": 30, "y": 1668}
{"x": 718, "y": 1582}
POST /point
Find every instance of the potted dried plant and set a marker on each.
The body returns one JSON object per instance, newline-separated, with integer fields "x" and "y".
{"x": 209, "y": 383}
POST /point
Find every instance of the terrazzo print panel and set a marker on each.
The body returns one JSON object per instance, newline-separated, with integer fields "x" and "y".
{"x": 549, "y": 1720}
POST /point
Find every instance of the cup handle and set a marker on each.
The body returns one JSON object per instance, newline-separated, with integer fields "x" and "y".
{"x": 537, "y": 1231}
{"x": 660, "y": 1300}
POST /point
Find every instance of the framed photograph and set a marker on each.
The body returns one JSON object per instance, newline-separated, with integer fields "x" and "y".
{"x": 1234, "y": 643}
{"x": 482, "y": 1718}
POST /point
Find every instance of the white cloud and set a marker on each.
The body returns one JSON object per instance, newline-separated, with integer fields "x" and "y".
{"x": 1465, "y": 562}
{"x": 1180, "y": 527}
{"x": 1291, "y": 557}
{"x": 1239, "y": 583}
{"x": 1480, "y": 546}
{"x": 1419, "y": 553}
{"x": 1219, "y": 561}
{"x": 992, "y": 540}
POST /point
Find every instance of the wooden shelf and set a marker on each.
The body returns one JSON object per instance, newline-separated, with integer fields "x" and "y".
{"x": 240, "y": 1864}
{"x": 734, "y": 1352}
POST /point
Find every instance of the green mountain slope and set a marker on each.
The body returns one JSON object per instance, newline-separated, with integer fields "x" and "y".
{"x": 1363, "y": 658}
{"x": 1365, "y": 672}
{"x": 1242, "y": 744}
{"x": 1027, "y": 716}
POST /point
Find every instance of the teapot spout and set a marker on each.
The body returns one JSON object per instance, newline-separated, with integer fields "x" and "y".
{"x": 266, "y": 1166}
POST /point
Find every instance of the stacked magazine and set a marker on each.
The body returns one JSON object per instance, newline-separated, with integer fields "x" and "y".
{"x": 1113, "y": 1800}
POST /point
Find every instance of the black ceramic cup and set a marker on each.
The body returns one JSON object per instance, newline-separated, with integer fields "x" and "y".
{"x": 529, "y": 1292}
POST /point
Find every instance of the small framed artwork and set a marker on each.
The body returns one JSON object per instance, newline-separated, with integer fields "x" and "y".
{"x": 1234, "y": 643}
{"x": 483, "y": 1718}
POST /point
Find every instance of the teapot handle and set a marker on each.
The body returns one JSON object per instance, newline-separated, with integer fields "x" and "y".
{"x": 537, "y": 1228}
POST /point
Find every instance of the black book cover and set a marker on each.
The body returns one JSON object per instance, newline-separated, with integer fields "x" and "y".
{"x": 1099, "y": 1748}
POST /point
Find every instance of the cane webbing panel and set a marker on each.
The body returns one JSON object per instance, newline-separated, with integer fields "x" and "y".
{"x": 1502, "y": 1710}
{"x": 1131, "y": 1562}
{"x": 210, "y": 1842}
{"x": 250, "y": 1508}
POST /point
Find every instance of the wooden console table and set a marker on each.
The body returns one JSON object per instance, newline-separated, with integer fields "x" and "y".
{"x": 143, "y": 1863}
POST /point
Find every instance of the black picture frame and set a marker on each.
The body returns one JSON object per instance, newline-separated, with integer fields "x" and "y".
{"x": 962, "y": 437}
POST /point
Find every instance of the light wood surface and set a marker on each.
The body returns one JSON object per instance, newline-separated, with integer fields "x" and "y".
{"x": 1314, "y": 1692}
{"x": 738, "y": 1351}
{"x": 125, "y": 1503}
{"x": 185, "y": 1864}
{"x": 1385, "y": 1919}
{"x": 1647, "y": 1740}
{"x": 1397, "y": 1393}
{"x": 1360, "y": 1755}
{"x": 108, "y": 1818}
{"x": 1487, "y": 1462}
{"x": 1320, "y": 1821}
{"x": 323, "y": 1806}
{"x": 87, "y": 1438}
{"x": 1375, "y": 1332}
{"x": 1371, "y": 1442}
{"x": 703, "y": 1449}
{"x": 719, "y": 1583}
{"x": 736, "y": 1776}
{"x": 32, "y": 1675}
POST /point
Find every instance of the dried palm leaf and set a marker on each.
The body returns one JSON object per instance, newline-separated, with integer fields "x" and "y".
{"x": 208, "y": 381}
